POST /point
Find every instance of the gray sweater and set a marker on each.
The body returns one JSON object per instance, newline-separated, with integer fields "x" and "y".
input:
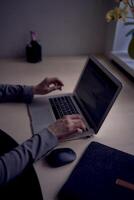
{"x": 15, "y": 161}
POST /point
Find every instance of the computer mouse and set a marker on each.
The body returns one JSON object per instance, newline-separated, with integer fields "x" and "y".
{"x": 60, "y": 157}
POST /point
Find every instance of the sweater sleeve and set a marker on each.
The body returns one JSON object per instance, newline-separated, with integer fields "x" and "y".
{"x": 16, "y": 93}
{"x": 15, "y": 161}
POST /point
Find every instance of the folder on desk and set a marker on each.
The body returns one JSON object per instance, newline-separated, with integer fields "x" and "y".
{"x": 94, "y": 177}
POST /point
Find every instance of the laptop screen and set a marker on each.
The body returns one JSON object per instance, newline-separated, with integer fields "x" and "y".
{"x": 96, "y": 90}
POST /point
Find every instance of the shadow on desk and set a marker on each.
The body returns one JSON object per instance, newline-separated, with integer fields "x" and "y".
{"x": 25, "y": 186}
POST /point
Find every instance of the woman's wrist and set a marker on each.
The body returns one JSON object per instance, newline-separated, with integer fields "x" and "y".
{"x": 35, "y": 90}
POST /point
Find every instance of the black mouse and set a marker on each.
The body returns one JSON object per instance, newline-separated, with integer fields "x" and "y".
{"x": 60, "y": 157}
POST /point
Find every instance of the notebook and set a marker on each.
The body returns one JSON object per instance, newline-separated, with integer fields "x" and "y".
{"x": 95, "y": 175}
{"x": 93, "y": 97}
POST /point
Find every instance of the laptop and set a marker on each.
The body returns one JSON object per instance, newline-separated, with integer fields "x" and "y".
{"x": 93, "y": 97}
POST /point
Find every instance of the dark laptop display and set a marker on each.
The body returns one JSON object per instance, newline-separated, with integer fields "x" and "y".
{"x": 96, "y": 90}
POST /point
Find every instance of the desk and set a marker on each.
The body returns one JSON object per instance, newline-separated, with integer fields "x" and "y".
{"x": 117, "y": 130}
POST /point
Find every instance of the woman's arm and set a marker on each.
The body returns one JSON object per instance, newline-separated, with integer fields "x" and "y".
{"x": 19, "y": 93}
{"x": 14, "y": 162}
{"x": 16, "y": 93}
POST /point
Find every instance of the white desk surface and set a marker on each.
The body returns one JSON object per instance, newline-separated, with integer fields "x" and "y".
{"x": 117, "y": 130}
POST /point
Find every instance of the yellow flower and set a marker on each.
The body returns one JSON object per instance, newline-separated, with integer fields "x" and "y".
{"x": 109, "y": 16}
{"x": 117, "y": 13}
{"x": 114, "y": 14}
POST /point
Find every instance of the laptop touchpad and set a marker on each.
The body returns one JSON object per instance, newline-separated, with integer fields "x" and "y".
{"x": 40, "y": 114}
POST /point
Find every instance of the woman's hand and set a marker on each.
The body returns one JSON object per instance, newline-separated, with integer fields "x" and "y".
{"x": 48, "y": 85}
{"x": 67, "y": 126}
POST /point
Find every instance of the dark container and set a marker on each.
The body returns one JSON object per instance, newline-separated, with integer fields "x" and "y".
{"x": 33, "y": 50}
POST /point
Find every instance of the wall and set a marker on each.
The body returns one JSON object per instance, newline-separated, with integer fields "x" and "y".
{"x": 65, "y": 27}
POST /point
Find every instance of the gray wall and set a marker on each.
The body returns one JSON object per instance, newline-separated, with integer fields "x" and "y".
{"x": 64, "y": 27}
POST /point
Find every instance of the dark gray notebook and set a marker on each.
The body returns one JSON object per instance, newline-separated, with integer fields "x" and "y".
{"x": 94, "y": 177}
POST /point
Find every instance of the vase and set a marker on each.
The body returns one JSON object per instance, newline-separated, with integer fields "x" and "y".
{"x": 131, "y": 47}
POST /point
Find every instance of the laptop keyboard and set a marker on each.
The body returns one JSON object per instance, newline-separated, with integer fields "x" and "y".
{"x": 63, "y": 106}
